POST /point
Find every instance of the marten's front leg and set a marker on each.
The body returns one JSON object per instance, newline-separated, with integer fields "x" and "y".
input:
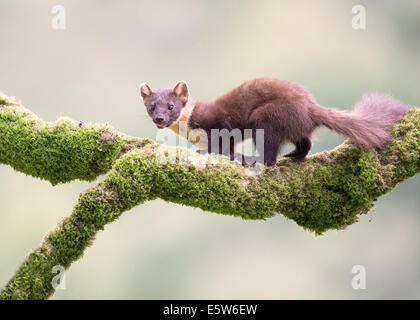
{"x": 218, "y": 147}
{"x": 303, "y": 147}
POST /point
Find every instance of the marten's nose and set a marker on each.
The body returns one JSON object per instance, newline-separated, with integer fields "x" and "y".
{"x": 159, "y": 120}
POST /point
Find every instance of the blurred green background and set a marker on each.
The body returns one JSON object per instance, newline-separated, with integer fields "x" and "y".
{"x": 91, "y": 72}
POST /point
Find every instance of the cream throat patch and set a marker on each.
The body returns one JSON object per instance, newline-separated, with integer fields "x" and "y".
{"x": 180, "y": 126}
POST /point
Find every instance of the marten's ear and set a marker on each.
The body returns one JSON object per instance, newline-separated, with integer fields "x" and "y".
{"x": 145, "y": 91}
{"x": 181, "y": 91}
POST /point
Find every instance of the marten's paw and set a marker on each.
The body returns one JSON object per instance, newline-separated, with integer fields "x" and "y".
{"x": 295, "y": 155}
{"x": 302, "y": 149}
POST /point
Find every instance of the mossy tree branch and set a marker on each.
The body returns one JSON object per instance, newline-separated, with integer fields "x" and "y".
{"x": 326, "y": 191}
{"x": 58, "y": 152}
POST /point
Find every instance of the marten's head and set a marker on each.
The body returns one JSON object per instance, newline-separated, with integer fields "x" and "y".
{"x": 164, "y": 105}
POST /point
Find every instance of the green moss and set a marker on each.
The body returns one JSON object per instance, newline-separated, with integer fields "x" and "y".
{"x": 7, "y": 101}
{"x": 403, "y": 153}
{"x": 59, "y": 152}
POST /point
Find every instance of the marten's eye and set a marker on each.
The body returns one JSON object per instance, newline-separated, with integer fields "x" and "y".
{"x": 171, "y": 107}
{"x": 152, "y": 108}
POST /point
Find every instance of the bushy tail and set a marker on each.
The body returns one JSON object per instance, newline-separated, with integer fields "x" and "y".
{"x": 368, "y": 124}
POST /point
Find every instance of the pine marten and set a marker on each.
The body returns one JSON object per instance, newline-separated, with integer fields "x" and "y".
{"x": 286, "y": 112}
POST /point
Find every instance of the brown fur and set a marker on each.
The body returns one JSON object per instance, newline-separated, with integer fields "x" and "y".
{"x": 287, "y": 112}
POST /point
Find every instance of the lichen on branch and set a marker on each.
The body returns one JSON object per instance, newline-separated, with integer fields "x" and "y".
{"x": 326, "y": 191}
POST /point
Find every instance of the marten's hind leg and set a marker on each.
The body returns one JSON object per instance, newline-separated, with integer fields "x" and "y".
{"x": 303, "y": 147}
{"x": 272, "y": 143}
{"x": 273, "y": 134}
